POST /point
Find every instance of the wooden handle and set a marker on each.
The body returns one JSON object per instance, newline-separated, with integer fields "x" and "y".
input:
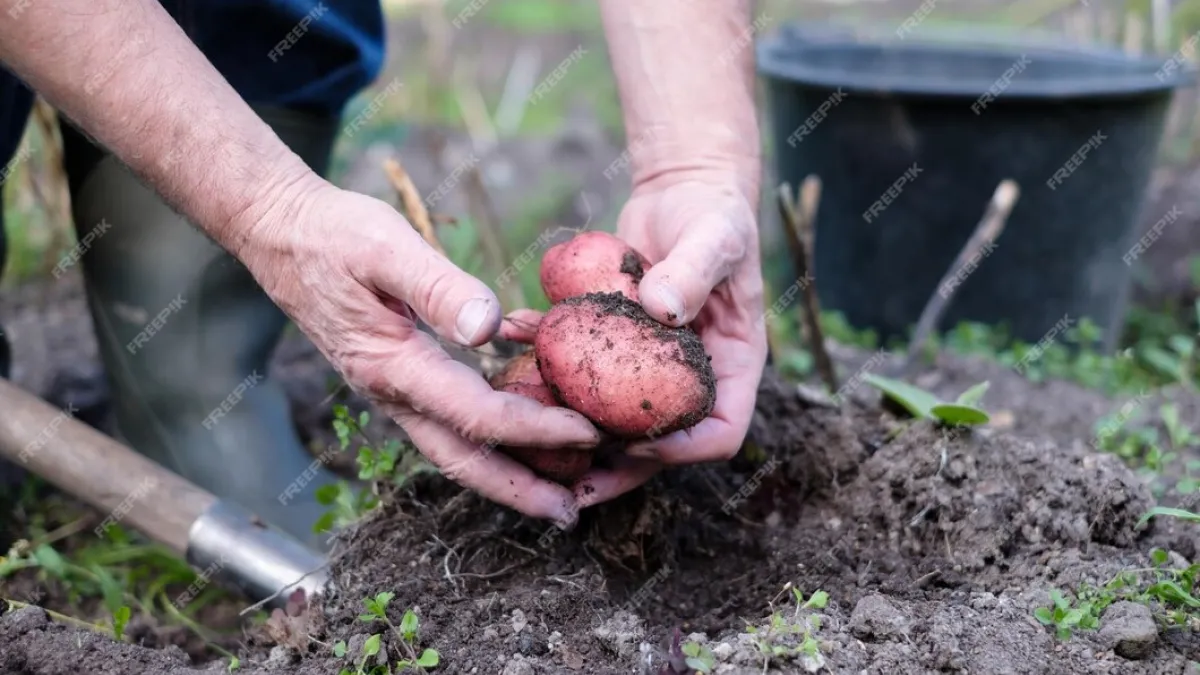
{"x": 126, "y": 487}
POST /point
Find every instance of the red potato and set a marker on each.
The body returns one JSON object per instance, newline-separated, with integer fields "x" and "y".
{"x": 563, "y": 466}
{"x": 603, "y": 356}
{"x": 592, "y": 262}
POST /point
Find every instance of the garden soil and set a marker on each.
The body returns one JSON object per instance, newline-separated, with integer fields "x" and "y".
{"x": 934, "y": 548}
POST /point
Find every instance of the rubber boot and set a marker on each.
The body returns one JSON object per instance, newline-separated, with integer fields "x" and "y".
{"x": 186, "y": 333}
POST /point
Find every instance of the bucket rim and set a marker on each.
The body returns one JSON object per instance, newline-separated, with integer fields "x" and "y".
{"x": 777, "y": 59}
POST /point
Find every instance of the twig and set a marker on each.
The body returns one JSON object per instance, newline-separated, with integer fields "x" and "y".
{"x": 798, "y": 227}
{"x": 986, "y": 232}
{"x": 17, "y": 604}
{"x": 410, "y": 200}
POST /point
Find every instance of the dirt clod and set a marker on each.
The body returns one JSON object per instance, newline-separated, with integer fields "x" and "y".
{"x": 874, "y": 617}
{"x": 1128, "y": 629}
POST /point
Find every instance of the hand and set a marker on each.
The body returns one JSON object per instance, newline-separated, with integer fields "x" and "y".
{"x": 699, "y": 232}
{"x": 355, "y": 277}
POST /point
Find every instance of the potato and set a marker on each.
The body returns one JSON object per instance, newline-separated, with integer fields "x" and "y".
{"x": 603, "y": 356}
{"x": 592, "y": 262}
{"x": 563, "y": 466}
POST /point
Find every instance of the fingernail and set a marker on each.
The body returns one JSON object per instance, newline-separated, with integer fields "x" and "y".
{"x": 671, "y": 300}
{"x": 641, "y": 452}
{"x": 472, "y": 319}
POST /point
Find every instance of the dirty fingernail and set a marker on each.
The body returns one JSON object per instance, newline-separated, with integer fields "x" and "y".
{"x": 472, "y": 320}
{"x": 641, "y": 451}
{"x": 671, "y": 301}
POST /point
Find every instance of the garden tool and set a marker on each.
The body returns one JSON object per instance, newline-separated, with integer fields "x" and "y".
{"x": 222, "y": 541}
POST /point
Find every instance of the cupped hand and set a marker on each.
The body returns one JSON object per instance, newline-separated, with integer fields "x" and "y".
{"x": 699, "y": 233}
{"x": 355, "y": 277}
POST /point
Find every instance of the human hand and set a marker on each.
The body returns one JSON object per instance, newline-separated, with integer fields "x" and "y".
{"x": 355, "y": 277}
{"x": 699, "y": 232}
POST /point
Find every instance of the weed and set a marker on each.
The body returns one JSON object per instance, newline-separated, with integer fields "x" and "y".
{"x": 795, "y": 636}
{"x": 924, "y": 405}
{"x": 698, "y": 657}
{"x": 408, "y": 632}
{"x": 390, "y": 462}
{"x": 234, "y": 664}
{"x": 1065, "y": 618}
{"x": 120, "y": 619}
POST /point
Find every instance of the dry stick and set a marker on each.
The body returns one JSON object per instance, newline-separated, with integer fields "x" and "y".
{"x": 410, "y": 201}
{"x": 986, "y": 232}
{"x": 798, "y": 227}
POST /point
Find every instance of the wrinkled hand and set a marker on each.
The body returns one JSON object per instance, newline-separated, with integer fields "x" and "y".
{"x": 355, "y": 277}
{"x": 700, "y": 234}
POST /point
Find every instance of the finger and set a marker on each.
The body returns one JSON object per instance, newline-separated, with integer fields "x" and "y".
{"x": 455, "y": 304}
{"x": 717, "y": 437}
{"x": 521, "y": 326}
{"x": 490, "y": 472}
{"x": 601, "y": 485}
{"x": 674, "y": 290}
{"x": 418, "y": 373}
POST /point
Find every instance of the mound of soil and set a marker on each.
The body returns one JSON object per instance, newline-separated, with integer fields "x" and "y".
{"x": 934, "y": 548}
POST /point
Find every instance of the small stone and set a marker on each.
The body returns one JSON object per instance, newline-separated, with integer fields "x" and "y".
{"x": 1128, "y": 629}
{"x": 518, "y": 666}
{"x": 490, "y": 633}
{"x": 621, "y": 633}
{"x": 280, "y": 657}
{"x": 773, "y": 519}
{"x": 723, "y": 651}
{"x": 26, "y": 619}
{"x": 983, "y": 601}
{"x": 519, "y": 622}
{"x": 875, "y": 616}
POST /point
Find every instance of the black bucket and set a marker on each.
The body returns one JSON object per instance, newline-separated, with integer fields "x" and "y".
{"x": 910, "y": 138}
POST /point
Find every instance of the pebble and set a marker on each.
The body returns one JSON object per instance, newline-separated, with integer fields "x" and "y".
{"x": 723, "y": 651}
{"x": 519, "y": 622}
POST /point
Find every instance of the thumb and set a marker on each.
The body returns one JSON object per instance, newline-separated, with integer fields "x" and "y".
{"x": 674, "y": 290}
{"x": 455, "y": 304}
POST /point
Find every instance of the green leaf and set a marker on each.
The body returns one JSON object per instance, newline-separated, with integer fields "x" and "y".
{"x": 818, "y": 600}
{"x": 371, "y": 646}
{"x": 797, "y": 595}
{"x": 917, "y": 401}
{"x": 428, "y": 659}
{"x": 954, "y": 414}
{"x": 1158, "y": 556}
{"x": 234, "y": 664}
{"x": 691, "y": 649}
{"x": 120, "y": 620}
{"x": 109, "y": 588}
{"x": 339, "y": 648}
{"x": 382, "y": 600}
{"x": 1168, "y": 511}
{"x": 1072, "y": 618}
{"x": 409, "y": 625}
{"x": 327, "y": 494}
{"x": 698, "y": 664}
{"x": 324, "y": 523}
{"x": 49, "y": 559}
{"x": 1044, "y": 615}
{"x": 1060, "y": 601}
{"x": 363, "y": 418}
{"x": 972, "y": 396}
{"x": 1169, "y": 591}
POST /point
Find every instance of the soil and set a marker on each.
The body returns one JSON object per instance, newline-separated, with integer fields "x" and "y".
{"x": 934, "y": 548}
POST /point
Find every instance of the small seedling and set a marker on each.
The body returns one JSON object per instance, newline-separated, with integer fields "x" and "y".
{"x": 408, "y": 631}
{"x": 698, "y": 657}
{"x": 784, "y": 638}
{"x": 1065, "y": 618}
{"x": 119, "y": 622}
{"x": 924, "y": 405}
{"x": 234, "y": 664}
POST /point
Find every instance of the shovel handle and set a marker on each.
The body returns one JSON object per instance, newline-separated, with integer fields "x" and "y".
{"x": 83, "y": 462}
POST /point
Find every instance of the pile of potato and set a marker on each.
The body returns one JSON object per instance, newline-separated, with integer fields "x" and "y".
{"x": 599, "y": 353}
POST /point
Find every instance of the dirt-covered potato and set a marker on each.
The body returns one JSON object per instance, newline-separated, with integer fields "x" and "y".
{"x": 592, "y": 262}
{"x": 603, "y": 356}
{"x": 564, "y": 465}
